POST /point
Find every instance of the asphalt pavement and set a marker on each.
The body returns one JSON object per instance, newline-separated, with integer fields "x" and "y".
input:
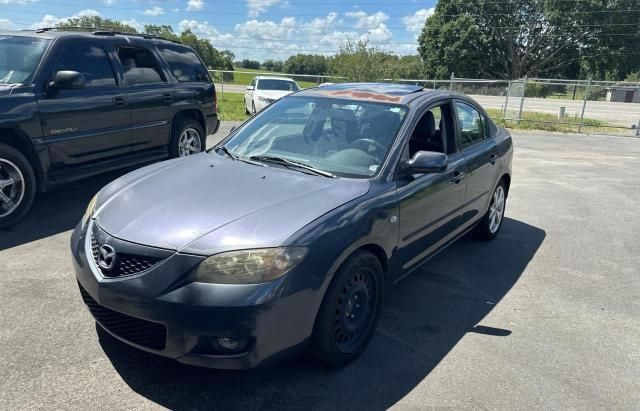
{"x": 546, "y": 316}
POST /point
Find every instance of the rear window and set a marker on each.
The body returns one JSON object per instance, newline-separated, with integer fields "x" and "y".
{"x": 184, "y": 64}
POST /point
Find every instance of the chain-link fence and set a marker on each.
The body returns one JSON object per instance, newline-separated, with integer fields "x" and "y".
{"x": 552, "y": 104}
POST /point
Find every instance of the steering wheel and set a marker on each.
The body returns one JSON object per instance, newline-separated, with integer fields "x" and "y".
{"x": 370, "y": 142}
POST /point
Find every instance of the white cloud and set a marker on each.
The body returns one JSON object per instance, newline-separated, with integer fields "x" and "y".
{"x": 133, "y": 23}
{"x": 374, "y": 23}
{"x": 156, "y": 11}
{"x": 415, "y": 22}
{"x": 108, "y": 2}
{"x": 260, "y": 6}
{"x": 50, "y": 20}
{"x": 194, "y": 5}
{"x": 5, "y": 24}
{"x": 367, "y": 21}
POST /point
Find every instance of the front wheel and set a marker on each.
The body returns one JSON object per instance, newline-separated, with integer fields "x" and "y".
{"x": 187, "y": 138}
{"x": 349, "y": 312}
{"x": 17, "y": 186}
{"x": 491, "y": 223}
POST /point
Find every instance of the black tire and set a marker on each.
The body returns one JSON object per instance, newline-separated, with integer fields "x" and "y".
{"x": 338, "y": 338}
{"x": 486, "y": 230}
{"x": 253, "y": 108}
{"x": 179, "y": 127}
{"x": 246, "y": 110}
{"x": 23, "y": 192}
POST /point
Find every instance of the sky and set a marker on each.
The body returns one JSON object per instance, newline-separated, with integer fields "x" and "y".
{"x": 253, "y": 29}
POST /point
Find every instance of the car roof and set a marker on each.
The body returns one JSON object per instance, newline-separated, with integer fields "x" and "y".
{"x": 375, "y": 92}
{"x": 51, "y": 34}
{"x": 274, "y": 78}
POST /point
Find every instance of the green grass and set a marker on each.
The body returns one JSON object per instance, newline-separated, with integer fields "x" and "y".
{"x": 231, "y": 107}
{"x": 244, "y": 79}
{"x": 532, "y": 120}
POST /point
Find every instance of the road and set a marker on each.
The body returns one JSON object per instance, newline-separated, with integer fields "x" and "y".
{"x": 543, "y": 317}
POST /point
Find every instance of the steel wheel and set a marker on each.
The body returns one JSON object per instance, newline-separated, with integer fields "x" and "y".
{"x": 353, "y": 314}
{"x": 189, "y": 142}
{"x": 12, "y": 187}
{"x": 496, "y": 209}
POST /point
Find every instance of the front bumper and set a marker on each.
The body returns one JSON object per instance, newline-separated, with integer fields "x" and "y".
{"x": 156, "y": 310}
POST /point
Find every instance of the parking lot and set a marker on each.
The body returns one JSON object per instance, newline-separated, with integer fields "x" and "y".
{"x": 545, "y": 316}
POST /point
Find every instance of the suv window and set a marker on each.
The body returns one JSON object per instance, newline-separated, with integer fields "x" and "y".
{"x": 184, "y": 64}
{"x": 88, "y": 59}
{"x": 470, "y": 124}
{"x": 140, "y": 66}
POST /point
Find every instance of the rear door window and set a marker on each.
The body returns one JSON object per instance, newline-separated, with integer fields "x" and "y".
{"x": 184, "y": 64}
{"x": 140, "y": 66}
{"x": 471, "y": 124}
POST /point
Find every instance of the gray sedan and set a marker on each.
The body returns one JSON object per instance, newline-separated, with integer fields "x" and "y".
{"x": 285, "y": 236}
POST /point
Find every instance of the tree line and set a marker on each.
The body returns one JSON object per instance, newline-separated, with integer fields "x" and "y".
{"x": 507, "y": 39}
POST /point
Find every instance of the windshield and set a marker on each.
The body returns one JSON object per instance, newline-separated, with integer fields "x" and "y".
{"x": 344, "y": 137}
{"x": 280, "y": 85}
{"x": 19, "y": 57}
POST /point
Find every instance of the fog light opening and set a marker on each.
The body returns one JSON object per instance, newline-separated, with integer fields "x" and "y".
{"x": 231, "y": 344}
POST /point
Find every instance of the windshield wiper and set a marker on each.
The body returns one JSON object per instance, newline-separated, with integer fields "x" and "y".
{"x": 235, "y": 157}
{"x": 291, "y": 163}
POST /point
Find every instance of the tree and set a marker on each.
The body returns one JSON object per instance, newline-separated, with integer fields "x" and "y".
{"x": 306, "y": 64}
{"x": 273, "y": 65}
{"x": 359, "y": 62}
{"x": 95, "y": 22}
{"x": 250, "y": 64}
{"x": 165, "y": 31}
{"x": 211, "y": 56}
{"x": 517, "y": 38}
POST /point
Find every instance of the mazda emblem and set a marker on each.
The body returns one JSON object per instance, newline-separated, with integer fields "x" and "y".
{"x": 106, "y": 257}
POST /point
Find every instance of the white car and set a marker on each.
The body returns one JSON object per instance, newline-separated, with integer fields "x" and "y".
{"x": 265, "y": 90}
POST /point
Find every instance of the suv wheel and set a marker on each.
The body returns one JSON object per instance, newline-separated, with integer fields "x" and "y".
{"x": 349, "y": 312}
{"x": 187, "y": 138}
{"x": 17, "y": 186}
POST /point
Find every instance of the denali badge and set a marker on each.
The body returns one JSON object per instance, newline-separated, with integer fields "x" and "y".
{"x": 106, "y": 257}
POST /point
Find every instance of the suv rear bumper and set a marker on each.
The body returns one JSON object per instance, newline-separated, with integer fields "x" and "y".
{"x": 213, "y": 123}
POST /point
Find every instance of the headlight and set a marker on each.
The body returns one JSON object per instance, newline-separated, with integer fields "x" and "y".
{"x": 265, "y": 100}
{"x": 87, "y": 214}
{"x": 249, "y": 266}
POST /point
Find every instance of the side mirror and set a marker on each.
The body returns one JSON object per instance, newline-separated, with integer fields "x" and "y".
{"x": 428, "y": 162}
{"x": 250, "y": 88}
{"x": 67, "y": 79}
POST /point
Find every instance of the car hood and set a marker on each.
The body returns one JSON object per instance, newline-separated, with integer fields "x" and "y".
{"x": 206, "y": 204}
{"x": 5, "y": 89}
{"x": 272, "y": 94}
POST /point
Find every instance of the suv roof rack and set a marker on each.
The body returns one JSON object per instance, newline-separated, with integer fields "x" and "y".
{"x": 105, "y": 31}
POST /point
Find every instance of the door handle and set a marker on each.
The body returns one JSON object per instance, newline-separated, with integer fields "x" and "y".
{"x": 457, "y": 177}
{"x": 493, "y": 158}
{"x": 167, "y": 97}
{"x": 119, "y": 101}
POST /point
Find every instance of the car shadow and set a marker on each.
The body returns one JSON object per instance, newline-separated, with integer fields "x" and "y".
{"x": 56, "y": 211}
{"x": 424, "y": 317}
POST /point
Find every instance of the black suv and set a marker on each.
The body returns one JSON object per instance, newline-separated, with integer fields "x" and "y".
{"x": 75, "y": 104}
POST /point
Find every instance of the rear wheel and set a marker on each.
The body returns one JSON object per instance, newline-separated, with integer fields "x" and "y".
{"x": 253, "y": 107}
{"x": 187, "y": 138}
{"x": 349, "y": 312}
{"x": 17, "y": 186}
{"x": 490, "y": 225}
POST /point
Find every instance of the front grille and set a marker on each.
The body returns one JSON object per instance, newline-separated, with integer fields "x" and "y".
{"x": 125, "y": 264}
{"x": 141, "y": 332}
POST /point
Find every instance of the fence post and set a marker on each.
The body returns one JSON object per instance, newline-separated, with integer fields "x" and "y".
{"x": 524, "y": 91}
{"x": 638, "y": 129}
{"x": 506, "y": 100}
{"x": 451, "y": 82}
{"x": 584, "y": 104}
{"x": 222, "y": 83}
